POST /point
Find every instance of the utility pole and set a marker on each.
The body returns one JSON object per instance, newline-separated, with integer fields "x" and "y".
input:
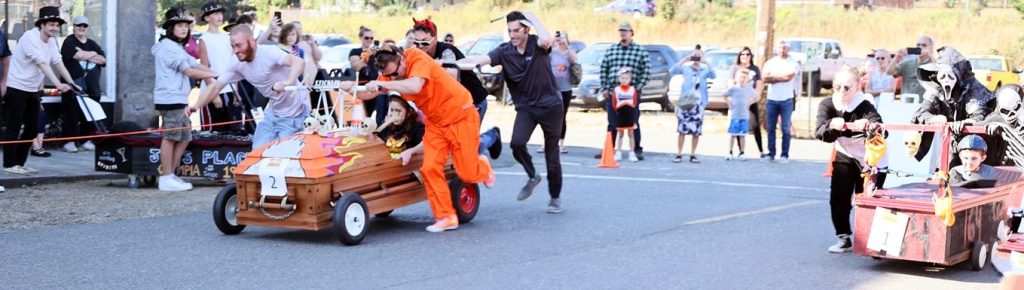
{"x": 764, "y": 34}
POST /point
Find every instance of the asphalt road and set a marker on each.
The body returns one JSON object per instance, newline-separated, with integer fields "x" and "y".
{"x": 652, "y": 224}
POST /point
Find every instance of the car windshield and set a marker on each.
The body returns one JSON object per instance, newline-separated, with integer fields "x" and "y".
{"x": 483, "y": 46}
{"x": 806, "y": 46}
{"x": 334, "y": 41}
{"x": 591, "y": 55}
{"x": 722, "y": 60}
{"x": 987, "y": 64}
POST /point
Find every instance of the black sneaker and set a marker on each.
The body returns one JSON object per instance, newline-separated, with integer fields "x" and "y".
{"x": 640, "y": 155}
{"x": 40, "y": 153}
{"x": 527, "y": 190}
{"x": 843, "y": 244}
{"x": 495, "y": 149}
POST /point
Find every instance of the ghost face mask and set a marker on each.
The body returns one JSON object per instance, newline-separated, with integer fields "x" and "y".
{"x": 946, "y": 78}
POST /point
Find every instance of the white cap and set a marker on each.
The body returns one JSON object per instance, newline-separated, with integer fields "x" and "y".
{"x": 81, "y": 20}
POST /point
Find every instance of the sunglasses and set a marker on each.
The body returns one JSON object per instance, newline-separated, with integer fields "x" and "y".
{"x": 844, "y": 88}
{"x": 422, "y": 43}
{"x": 517, "y": 30}
{"x": 367, "y": 37}
{"x": 744, "y": 53}
{"x": 82, "y": 25}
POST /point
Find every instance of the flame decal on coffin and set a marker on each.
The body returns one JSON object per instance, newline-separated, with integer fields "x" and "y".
{"x": 347, "y": 160}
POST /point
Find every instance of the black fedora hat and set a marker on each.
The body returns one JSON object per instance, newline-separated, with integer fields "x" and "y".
{"x": 210, "y": 8}
{"x": 242, "y": 19}
{"x": 49, "y": 13}
{"x": 174, "y": 16}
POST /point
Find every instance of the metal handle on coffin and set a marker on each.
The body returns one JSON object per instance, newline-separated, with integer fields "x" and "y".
{"x": 284, "y": 205}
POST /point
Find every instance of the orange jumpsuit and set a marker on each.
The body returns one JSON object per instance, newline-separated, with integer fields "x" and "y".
{"x": 452, "y": 127}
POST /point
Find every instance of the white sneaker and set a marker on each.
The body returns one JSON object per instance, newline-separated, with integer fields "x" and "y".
{"x": 30, "y": 169}
{"x": 3, "y": 189}
{"x": 741, "y": 157}
{"x": 783, "y": 160}
{"x": 729, "y": 157}
{"x": 618, "y": 155}
{"x": 88, "y": 146}
{"x": 70, "y": 147}
{"x": 186, "y": 183}
{"x": 632, "y": 157}
{"x": 169, "y": 183}
{"x": 844, "y": 244}
{"x": 17, "y": 170}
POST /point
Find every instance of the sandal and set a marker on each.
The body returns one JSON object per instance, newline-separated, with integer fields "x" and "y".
{"x": 678, "y": 159}
{"x": 693, "y": 159}
{"x": 40, "y": 153}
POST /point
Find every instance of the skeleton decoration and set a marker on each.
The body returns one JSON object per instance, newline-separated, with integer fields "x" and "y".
{"x": 1009, "y": 105}
{"x": 912, "y": 140}
{"x": 311, "y": 125}
{"x": 367, "y": 127}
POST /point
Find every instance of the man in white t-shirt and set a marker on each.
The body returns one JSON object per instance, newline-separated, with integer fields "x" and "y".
{"x": 215, "y": 52}
{"x": 782, "y": 74}
{"x": 270, "y": 70}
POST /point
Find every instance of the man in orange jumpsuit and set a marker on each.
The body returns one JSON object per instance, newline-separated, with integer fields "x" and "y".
{"x": 452, "y": 123}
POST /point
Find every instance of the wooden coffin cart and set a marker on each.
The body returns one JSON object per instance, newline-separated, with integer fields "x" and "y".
{"x": 328, "y": 182}
{"x": 901, "y": 222}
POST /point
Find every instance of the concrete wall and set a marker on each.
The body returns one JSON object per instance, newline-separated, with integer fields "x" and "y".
{"x": 135, "y": 69}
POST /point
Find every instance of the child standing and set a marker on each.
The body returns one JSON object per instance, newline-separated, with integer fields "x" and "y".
{"x": 739, "y": 96}
{"x": 624, "y": 101}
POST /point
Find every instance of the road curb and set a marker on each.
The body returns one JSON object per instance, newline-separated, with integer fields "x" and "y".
{"x": 22, "y": 181}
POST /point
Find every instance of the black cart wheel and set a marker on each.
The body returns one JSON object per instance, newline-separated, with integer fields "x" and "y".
{"x": 225, "y": 210}
{"x": 979, "y": 255}
{"x": 465, "y": 199}
{"x": 384, "y": 214}
{"x": 351, "y": 219}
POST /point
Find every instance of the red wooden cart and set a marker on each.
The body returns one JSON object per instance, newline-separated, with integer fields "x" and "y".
{"x": 909, "y": 209}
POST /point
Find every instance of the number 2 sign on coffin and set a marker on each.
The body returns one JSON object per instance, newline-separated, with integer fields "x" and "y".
{"x": 271, "y": 174}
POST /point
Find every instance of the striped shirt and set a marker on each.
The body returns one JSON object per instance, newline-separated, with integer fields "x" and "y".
{"x": 616, "y": 57}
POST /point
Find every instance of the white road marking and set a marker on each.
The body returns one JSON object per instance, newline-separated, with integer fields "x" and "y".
{"x": 750, "y": 213}
{"x": 674, "y": 180}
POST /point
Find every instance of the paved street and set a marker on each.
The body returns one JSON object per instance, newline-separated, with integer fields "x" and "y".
{"x": 652, "y": 224}
{"x": 716, "y": 225}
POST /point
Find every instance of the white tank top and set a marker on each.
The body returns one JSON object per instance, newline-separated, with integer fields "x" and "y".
{"x": 218, "y": 51}
{"x": 624, "y": 97}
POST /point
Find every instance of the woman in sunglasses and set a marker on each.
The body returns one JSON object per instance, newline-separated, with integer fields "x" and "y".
{"x": 451, "y": 121}
{"x": 847, "y": 104}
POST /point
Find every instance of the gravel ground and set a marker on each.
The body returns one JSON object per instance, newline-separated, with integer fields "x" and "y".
{"x": 97, "y": 201}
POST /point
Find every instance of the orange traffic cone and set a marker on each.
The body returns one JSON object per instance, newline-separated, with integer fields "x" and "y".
{"x": 828, "y": 169}
{"x": 608, "y": 154}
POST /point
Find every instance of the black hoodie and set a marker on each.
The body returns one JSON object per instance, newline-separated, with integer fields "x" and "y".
{"x": 849, "y": 145}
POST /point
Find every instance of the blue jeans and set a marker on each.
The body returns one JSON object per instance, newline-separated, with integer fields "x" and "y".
{"x": 774, "y": 110}
{"x": 482, "y": 109}
{"x": 273, "y": 128}
{"x": 487, "y": 139}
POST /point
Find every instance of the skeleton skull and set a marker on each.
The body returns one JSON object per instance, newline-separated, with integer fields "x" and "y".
{"x": 912, "y": 140}
{"x": 1008, "y": 104}
{"x": 326, "y": 125}
{"x": 947, "y": 79}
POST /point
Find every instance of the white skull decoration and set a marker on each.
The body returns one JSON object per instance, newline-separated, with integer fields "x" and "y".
{"x": 326, "y": 125}
{"x": 1008, "y": 104}
{"x": 947, "y": 80}
{"x": 912, "y": 140}
{"x": 311, "y": 125}
{"x": 368, "y": 126}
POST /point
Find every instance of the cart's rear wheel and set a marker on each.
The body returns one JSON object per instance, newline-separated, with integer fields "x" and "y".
{"x": 979, "y": 255}
{"x": 350, "y": 219}
{"x": 465, "y": 198}
{"x": 384, "y": 214}
{"x": 225, "y": 210}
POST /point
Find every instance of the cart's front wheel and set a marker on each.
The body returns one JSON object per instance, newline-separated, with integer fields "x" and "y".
{"x": 225, "y": 210}
{"x": 350, "y": 219}
{"x": 465, "y": 198}
{"x": 979, "y": 255}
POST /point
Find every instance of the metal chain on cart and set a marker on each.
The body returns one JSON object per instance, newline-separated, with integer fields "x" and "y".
{"x": 271, "y": 216}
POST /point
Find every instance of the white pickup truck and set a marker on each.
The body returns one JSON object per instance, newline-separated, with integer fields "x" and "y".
{"x": 821, "y": 57}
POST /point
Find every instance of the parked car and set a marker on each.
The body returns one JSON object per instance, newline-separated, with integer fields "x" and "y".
{"x": 822, "y": 58}
{"x": 336, "y": 58}
{"x": 636, "y": 7}
{"x": 993, "y": 71}
{"x": 490, "y": 76}
{"x": 588, "y": 95}
{"x": 720, "y": 60}
{"x": 577, "y": 45}
{"x": 333, "y": 40}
